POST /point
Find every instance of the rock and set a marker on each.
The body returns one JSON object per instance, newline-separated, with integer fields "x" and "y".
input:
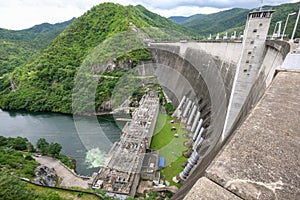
{"x": 167, "y": 183}
{"x": 106, "y": 106}
{"x": 45, "y": 176}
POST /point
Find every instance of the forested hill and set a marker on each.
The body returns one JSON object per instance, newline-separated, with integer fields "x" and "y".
{"x": 38, "y": 33}
{"x": 234, "y": 19}
{"x": 206, "y": 24}
{"x": 16, "y": 47}
{"x": 45, "y": 83}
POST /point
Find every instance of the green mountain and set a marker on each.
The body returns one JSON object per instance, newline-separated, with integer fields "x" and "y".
{"x": 37, "y": 33}
{"x": 16, "y": 47}
{"x": 178, "y": 19}
{"x": 45, "y": 82}
{"x": 234, "y": 20}
{"x": 217, "y": 22}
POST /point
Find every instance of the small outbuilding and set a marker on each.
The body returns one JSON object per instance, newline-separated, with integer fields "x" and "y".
{"x": 161, "y": 162}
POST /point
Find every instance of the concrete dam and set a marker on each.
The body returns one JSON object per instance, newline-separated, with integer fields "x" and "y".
{"x": 225, "y": 80}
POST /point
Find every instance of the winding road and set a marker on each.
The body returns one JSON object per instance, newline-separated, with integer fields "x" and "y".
{"x": 66, "y": 177}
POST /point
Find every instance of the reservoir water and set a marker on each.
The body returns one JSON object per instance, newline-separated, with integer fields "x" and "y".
{"x": 62, "y": 129}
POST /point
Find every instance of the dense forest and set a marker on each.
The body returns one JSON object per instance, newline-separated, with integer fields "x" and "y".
{"x": 46, "y": 81}
{"x": 234, "y": 20}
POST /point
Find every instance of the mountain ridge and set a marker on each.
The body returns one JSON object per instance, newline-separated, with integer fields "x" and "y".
{"x": 33, "y": 32}
{"x": 45, "y": 83}
{"x": 234, "y": 20}
{"x": 17, "y": 47}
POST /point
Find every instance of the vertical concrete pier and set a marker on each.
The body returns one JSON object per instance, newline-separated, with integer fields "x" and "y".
{"x": 255, "y": 35}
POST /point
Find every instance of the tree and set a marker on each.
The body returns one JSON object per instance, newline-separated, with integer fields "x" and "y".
{"x": 30, "y": 147}
{"x": 54, "y": 149}
{"x": 3, "y": 141}
{"x": 13, "y": 188}
{"x": 18, "y": 143}
{"x": 42, "y": 145}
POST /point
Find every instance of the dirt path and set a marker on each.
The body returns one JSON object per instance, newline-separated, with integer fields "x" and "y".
{"x": 66, "y": 178}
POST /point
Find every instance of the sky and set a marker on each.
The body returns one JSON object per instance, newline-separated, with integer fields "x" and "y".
{"x": 21, "y": 14}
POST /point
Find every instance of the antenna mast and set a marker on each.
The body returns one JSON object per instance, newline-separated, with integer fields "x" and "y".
{"x": 261, "y": 4}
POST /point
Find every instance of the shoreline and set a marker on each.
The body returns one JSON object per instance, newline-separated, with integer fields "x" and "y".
{"x": 69, "y": 114}
{"x": 43, "y": 112}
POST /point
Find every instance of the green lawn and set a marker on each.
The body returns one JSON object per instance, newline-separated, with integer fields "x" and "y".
{"x": 163, "y": 135}
{"x": 169, "y": 147}
{"x": 173, "y": 170}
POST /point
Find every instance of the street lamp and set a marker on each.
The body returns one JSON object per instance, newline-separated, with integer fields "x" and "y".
{"x": 295, "y": 27}
{"x": 279, "y": 29}
{"x": 287, "y": 19}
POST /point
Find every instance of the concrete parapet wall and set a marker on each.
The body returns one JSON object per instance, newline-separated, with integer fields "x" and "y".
{"x": 282, "y": 47}
{"x": 261, "y": 161}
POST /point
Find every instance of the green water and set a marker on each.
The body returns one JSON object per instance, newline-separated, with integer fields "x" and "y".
{"x": 86, "y": 139}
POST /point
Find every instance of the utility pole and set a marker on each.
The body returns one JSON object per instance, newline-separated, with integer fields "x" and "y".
{"x": 261, "y": 4}
{"x": 295, "y": 27}
{"x": 286, "y": 21}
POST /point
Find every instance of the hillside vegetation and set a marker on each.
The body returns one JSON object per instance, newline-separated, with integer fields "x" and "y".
{"x": 16, "y": 162}
{"x": 16, "y": 47}
{"x": 41, "y": 34}
{"x": 235, "y": 19}
{"x": 217, "y": 22}
{"x": 46, "y": 81}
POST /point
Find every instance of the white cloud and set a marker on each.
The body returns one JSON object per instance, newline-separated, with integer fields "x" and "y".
{"x": 185, "y": 11}
{"x": 20, "y": 14}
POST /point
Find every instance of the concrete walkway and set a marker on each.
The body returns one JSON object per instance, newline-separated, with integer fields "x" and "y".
{"x": 261, "y": 161}
{"x": 66, "y": 177}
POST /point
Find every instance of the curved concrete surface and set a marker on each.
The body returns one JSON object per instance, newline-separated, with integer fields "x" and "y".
{"x": 209, "y": 68}
{"x": 262, "y": 159}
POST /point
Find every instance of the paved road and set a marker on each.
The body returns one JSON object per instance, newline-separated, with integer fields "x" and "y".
{"x": 66, "y": 178}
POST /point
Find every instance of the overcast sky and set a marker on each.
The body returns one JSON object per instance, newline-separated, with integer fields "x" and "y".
{"x": 21, "y": 14}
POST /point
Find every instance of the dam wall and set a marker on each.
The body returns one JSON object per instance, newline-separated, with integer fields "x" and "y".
{"x": 261, "y": 160}
{"x": 221, "y": 55}
{"x": 204, "y": 73}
